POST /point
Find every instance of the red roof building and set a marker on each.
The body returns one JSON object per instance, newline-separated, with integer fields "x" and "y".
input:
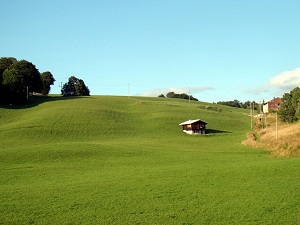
{"x": 272, "y": 105}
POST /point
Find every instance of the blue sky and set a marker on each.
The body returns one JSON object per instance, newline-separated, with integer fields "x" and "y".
{"x": 219, "y": 50}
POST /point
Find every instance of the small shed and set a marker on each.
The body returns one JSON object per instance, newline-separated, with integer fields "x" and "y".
{"x": 194, "y": 126}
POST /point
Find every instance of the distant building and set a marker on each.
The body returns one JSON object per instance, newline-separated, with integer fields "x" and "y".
{"x": 272, "y": 105}
{"x": 194, "y": 126}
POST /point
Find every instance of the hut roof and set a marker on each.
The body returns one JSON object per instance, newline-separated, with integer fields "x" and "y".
{"x": 191, "y": 122}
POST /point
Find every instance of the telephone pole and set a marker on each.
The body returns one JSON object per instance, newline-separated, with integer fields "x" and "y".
{"x": 27, "y": 92}
{"x": 266, "y": 122}
{"x": 189, "y": 95}
{"x": 276, "y": 128}
{"x": 61, "y": 87}
{"x": 251, "y": 115}
{"x": 299, "y": 108}
{"x": 128, "y": 90}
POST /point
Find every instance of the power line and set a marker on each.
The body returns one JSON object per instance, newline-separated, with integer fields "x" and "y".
{"x": 108, "y": 85}
{"x": 130, "y": 85}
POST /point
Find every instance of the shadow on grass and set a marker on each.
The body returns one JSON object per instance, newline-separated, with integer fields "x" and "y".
{"x": 212, "y": 131}
{"x": 37, "y": 100}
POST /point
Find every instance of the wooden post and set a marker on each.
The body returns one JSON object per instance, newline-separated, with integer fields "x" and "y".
{"x": 251, "y": 115}
{"x": 276, "y": 128}
{"x": 266, "y": 122}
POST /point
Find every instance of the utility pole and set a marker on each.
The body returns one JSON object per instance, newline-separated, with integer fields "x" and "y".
{"x": 189, "y": 95}
{"x": 251, "y": 115}
{"x": 27, "y": 92}
{"x": 276, "y": 128}
{"x": 299, "y": 108}
{"x": 266, "y": 122}
{"x": 61, "y": 87}
{"x": 128, "y": 90}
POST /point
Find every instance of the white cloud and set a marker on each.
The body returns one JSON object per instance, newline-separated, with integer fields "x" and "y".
{"x": 288, "y": 79}
{"x": 278, "y": 85}
{"x": 177, "y": 90}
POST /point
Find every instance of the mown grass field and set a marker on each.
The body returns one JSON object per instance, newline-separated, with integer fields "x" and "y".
{"x": 119, "y": 160}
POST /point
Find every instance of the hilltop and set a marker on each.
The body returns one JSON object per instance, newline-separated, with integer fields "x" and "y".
{"x": 98, "y": 118}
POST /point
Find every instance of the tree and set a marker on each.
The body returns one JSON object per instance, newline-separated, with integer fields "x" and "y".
{"x": 296, "y": 101}
{"x": 183, "y": 96}
{"x": 81, "y": 89}
{"x": 290, "y": 107}
{"x": 75, "y": 87}
{"x": 246, "y": 104}
{"x": 31, "y": 77}
{"x": 286, "y": 111}
{"x": 13, "y": 88}
{"x": 20, "y": 77}
{"x": 47, "y": 80}
{"x": 161, "y": 96}
{"x": 170, "y": 94}
{"x": 234, "y": 103}
{"x": 5, "y": 63}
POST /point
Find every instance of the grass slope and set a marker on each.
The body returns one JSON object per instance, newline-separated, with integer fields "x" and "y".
{"x": 119, "y": 160}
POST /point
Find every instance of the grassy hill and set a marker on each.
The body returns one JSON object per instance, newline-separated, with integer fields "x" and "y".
{"x": 119, "y": 160}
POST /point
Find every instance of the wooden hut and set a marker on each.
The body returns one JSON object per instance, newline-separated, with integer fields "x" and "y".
{"x": 194, "y": 126}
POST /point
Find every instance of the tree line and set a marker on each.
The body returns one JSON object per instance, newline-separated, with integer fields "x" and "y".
{"x": 21, "y": 78}
{"x": 172, "y": 94}
{"x": 238, "y": 104}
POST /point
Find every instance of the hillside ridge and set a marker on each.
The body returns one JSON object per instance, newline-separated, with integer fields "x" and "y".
{"x": 114, "y": 117}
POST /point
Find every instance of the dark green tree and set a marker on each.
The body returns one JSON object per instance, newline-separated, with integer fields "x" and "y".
{"x": 81, "y": 89}
{"x": 234, "y": 103}
{"x": 47, "y": 80}
{"x": 289, "y": 110}
{"x": 246, "y": 104}
{"x": 29, "y": 75}
{"x": 75, "y": 87}
{"x": 5, "y": 63}
{"x": 20, "y": 77}
{"x": 170, "y": 94}
{"x": 296, "y": 101}
{"x": 183, "y": 96}
{"x": 13, "y": 88}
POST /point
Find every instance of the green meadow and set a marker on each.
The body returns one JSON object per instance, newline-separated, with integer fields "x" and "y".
{"x": 120, "y": 160}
